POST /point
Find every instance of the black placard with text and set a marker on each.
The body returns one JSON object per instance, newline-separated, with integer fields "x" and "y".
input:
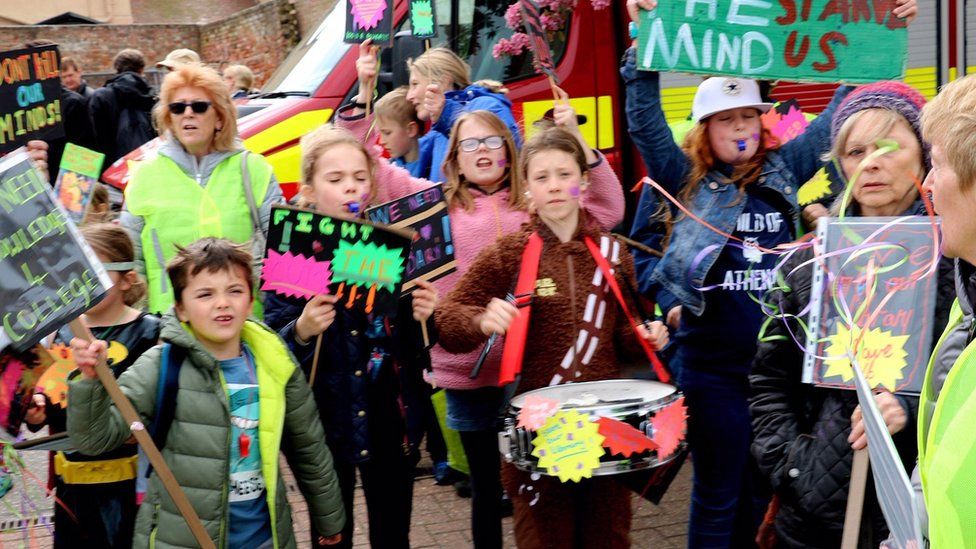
{"x": 30, "y": 96}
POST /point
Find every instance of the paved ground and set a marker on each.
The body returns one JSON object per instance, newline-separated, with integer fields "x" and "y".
{"x": 440, "y": 518}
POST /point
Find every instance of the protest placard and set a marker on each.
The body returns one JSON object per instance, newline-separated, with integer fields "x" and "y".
{"x": 801, "y": 40}
{"x": 77, "y": 178}
{"x": 369, "y": 19}
{"x": 48, "y": 273}
{"x": 423, "y": 19}
{"x": 891, "y": 482}
{"x": 30, "y": 96}
{"x": 894, "y": 350}
{"x": 432, "y": 251}
{"x": 538, "y": 39}
{"x": 309, "y": 253}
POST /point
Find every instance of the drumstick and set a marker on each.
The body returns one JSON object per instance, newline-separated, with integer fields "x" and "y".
{"x": 509, "y": 297}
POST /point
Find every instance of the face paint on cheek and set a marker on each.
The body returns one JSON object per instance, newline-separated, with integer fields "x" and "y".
{"x": 755, "y": 137}
{"x": 503, "y": 162}
{"x": 574, "y": 192}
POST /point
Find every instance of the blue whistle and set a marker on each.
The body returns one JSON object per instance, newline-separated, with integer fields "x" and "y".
{"x": 742, "y": 145}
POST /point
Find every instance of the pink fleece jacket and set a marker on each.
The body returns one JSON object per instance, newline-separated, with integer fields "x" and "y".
{"x": 473, "y": 231}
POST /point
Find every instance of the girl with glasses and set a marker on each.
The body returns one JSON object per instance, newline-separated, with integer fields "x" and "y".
{"x": 202, "y": 183}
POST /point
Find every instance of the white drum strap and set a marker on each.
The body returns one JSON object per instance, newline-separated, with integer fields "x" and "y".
{"x": 588, "y": 338}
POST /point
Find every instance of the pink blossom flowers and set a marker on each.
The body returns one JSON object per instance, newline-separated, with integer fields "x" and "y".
{"x": 552, "y": 16}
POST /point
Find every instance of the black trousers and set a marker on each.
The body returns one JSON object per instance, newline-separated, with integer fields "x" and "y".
{"x": 104, "y": 514}
{"x": 387, "y": 479}
{"x": 484, "y": 460}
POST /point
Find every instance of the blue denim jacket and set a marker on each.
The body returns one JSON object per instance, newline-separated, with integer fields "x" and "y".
{"x": 671, "y": 279}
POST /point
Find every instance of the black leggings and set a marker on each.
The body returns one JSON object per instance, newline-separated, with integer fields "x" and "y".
{"x": 484, "y": 461}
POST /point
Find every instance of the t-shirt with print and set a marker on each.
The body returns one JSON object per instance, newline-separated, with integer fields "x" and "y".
{"x": 126, "y": 342}
{"x": 724, "y": 337}
{"x": 250, "y": 522}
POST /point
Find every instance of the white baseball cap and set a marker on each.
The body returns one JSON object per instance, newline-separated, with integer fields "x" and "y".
{"x": 721, "y": 93}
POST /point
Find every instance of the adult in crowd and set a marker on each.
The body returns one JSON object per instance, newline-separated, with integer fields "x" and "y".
{"x": 75, "y": 116}
{"x": 71, "y": 78}
{"x": 177, "y": 58}
{"x": 121, "y": 110}
{"x": 239, "y": 80}
{"x": 947, "y": 407}
{"x": 803, "y": 434}
{"x": 202, "y": 183}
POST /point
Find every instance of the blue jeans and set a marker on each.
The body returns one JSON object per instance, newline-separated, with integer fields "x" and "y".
{"x": 729, "y": 496}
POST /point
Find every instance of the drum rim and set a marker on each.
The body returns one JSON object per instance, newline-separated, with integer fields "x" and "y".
{"x": 599, "y": 406}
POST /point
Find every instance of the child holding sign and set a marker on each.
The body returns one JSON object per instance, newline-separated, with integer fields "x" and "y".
{"x": 89, "y": 485}
{"x": 741, "y": 200}
{"x": 557, "y": 174}
{"x": 362, "y": 381}
{"x": 486, "y": 200}
{"x": 239, "y": 399}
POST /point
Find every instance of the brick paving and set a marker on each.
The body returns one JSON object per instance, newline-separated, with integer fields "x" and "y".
{"x": 440, "y": 518}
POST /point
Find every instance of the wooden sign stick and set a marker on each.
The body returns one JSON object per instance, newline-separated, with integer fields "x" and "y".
{"x": 142, "y": 437}
{"x": 855, "y": 499}
{"x": 315, "y": 360}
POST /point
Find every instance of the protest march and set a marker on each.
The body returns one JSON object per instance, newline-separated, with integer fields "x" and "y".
{"x": 585, "y": 265}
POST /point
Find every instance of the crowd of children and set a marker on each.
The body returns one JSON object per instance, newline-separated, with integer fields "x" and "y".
{"x": 346, "y": 394}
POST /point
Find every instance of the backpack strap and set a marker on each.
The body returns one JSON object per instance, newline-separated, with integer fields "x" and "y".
{"x": 166, "y": 388}
{"x": 514, "y": 349}
{"x": 252, "y": 205}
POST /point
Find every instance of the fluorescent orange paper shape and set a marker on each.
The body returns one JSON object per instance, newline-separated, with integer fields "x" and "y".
{"x": 621, "y": 438}
{"x": 54, "y": 382}
{"x": 669, "y": 427}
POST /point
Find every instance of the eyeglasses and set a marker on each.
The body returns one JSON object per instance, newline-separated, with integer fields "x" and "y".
{"x": 198, "y": 107}
{"x": 471, "y": 144}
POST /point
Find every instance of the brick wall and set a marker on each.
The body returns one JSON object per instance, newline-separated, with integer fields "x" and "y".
{"x": 186, "y": 11}
{"x": 259, "y": 37}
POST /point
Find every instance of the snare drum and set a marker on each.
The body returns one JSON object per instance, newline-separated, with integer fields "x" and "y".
{"x": 632, "y": 401}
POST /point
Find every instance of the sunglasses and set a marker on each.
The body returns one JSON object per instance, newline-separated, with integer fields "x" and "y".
{"x": 198, "y": 107}
{"x": 493, "y": 142}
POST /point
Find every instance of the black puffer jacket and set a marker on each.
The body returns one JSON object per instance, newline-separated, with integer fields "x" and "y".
{"x": 343, "y": 384}
{"x": 800, "y": 431}
{"x": 121, "y": 115}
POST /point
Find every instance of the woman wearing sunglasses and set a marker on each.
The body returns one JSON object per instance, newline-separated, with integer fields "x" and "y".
{"x": 202, "y": 182}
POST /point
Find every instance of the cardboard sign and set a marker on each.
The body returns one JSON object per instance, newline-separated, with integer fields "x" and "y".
{"x": 369, "y": 19}
{"x": 891, "y": 482}
{"x": 538, "y": 39}
{"x": 30, "y": 96}
{"x": 310, "y": 253}
{"x": 894, "y": 350}
{"x": 432, "y": 251}
{"x": 423, "y": 18}
{"x": 76, "y": 180}
{"x": 801, "y": 40}
{"x": 48, "y": 273}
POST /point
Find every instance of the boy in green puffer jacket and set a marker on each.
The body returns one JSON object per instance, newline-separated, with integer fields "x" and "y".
{"x": 240, "y": 400}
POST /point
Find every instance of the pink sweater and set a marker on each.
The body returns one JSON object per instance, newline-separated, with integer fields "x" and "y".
{"x": 474, "y": 230}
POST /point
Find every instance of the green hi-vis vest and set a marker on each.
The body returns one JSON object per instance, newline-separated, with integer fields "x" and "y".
{"x": 947, "y": 448}
{"x": 178, "y": 210}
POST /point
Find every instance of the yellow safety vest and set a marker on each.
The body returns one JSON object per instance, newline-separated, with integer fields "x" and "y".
{"x": 947, "y": 448}
{"x": 178, "y": 210}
